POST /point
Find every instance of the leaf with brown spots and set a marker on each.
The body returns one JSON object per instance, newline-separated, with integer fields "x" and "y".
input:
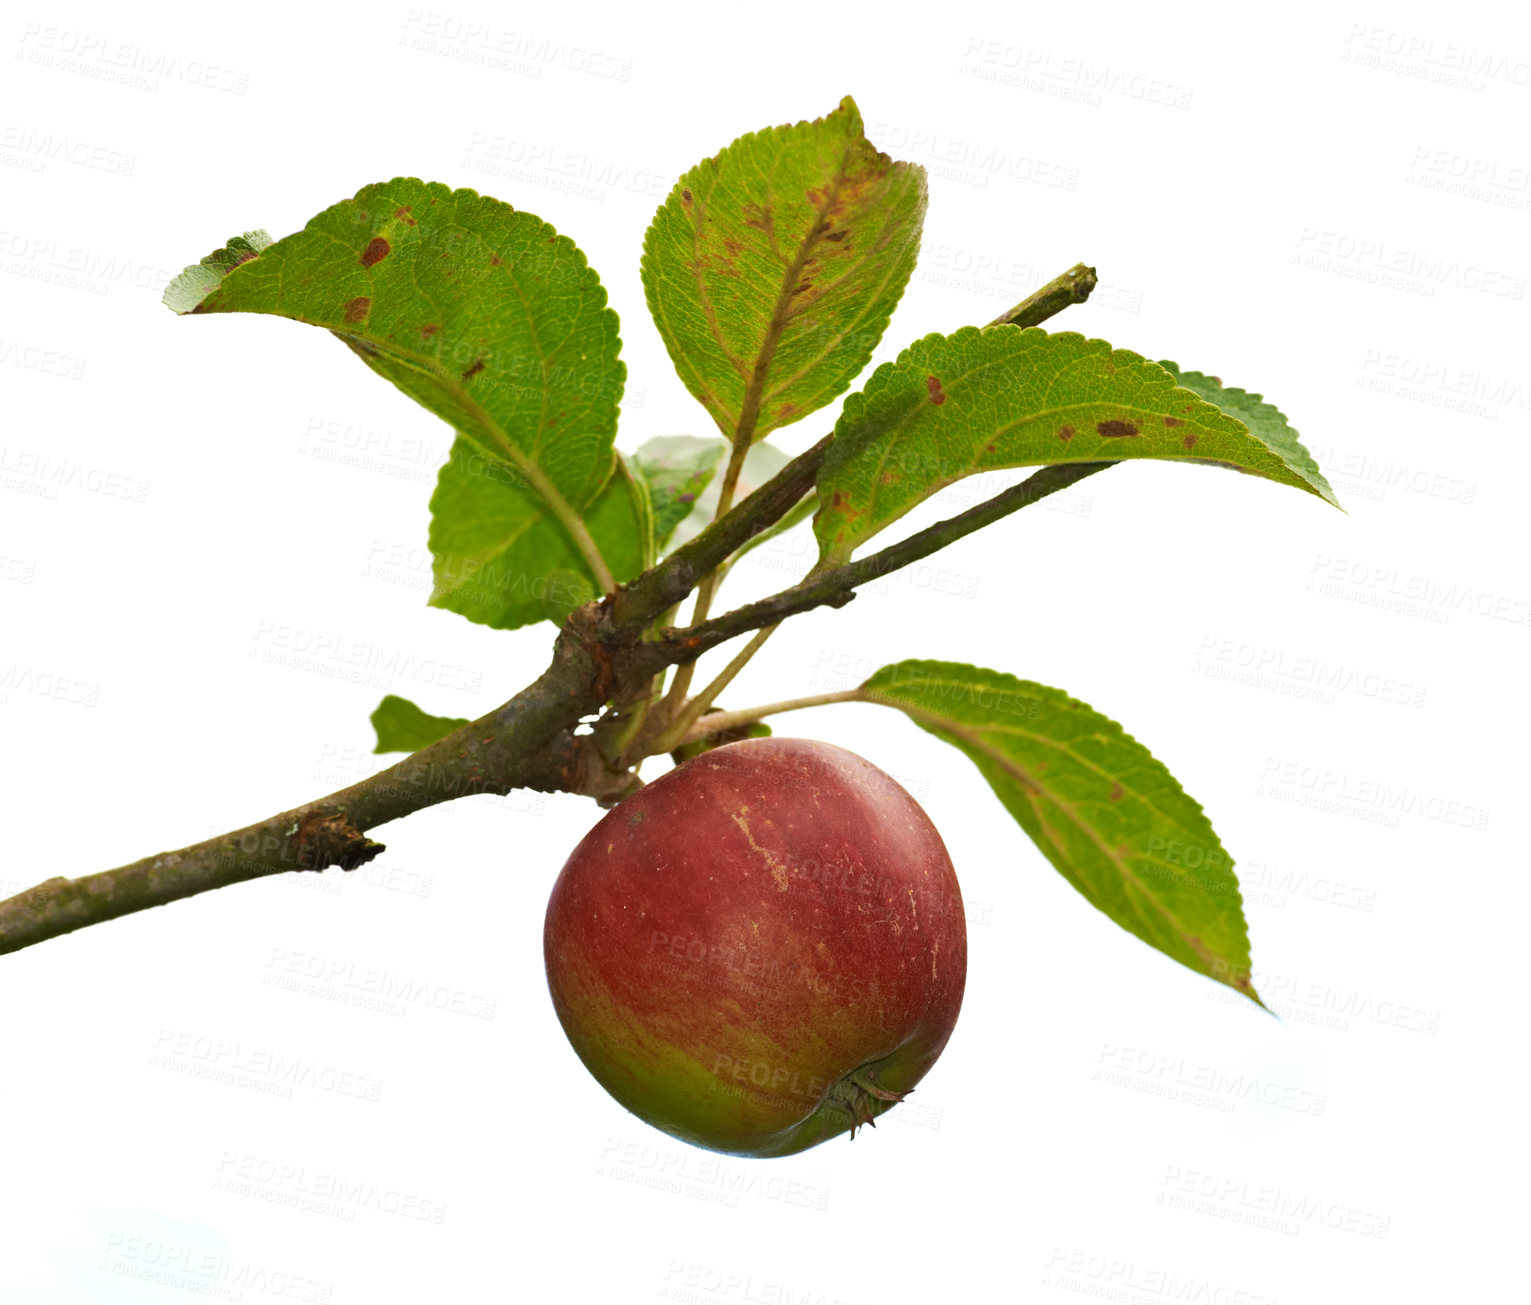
{"x": 772, "y": 268}
{"x": 1095, "y": 801}
{"x": 988, "y": 400}
{"x": 491, "y": 320}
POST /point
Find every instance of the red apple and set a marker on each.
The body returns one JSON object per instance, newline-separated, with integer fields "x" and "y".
{"x": 760, "y": 950}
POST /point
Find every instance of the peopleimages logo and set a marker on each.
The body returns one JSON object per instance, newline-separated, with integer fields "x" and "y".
{"x": 97, "y": 55}
{"x": 1372, "y": 259}
{"x": 1179, "y": 1187}
{"x": 1398, "y": 799}
{"x": 1440, "y": 61}
{"x": 1110, "y": 1278}
{"x": 1328, "y": 1005}
{"x": 206, "y": 1273}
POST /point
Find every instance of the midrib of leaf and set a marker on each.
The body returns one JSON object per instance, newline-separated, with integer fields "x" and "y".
{"x": 754, "y": 394}
{"x": 868, "y": 300}
{"x": 535, "y": 476}
{"x": 1032, "y": 787}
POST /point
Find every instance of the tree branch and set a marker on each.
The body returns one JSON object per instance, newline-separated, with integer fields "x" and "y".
{"x": 524, "y": 743}
{"x": 604, "y": 653}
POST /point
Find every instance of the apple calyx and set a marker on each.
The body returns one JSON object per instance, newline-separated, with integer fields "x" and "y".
{"x": 856, "y": 1094}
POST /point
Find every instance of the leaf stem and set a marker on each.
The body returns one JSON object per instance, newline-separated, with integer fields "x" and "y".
{"x": 715, "y": 722}
{"x": 693, "y": 710}
{"x": 537, "y": 478}
{"x": 681, "y": 685}
{"x": 573, "y": 523}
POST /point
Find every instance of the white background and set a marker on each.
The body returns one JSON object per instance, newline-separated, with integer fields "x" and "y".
{"x": 1328, "y": 205}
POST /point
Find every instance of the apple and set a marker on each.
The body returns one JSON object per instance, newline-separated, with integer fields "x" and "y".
{"x": 762, "y": 949}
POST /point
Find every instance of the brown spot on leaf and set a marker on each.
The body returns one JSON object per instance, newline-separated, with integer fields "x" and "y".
{"x": 1190, "y": 407}
{"x": 357, "y": 309}
{"x": 375, "y": 252}
{"x": 890, "y": 478}
{"x": 1173, "y": 421}
{"x": 933, "y": 386}
{"x": 806, "y": 286}
{"x": 841, "y": 503}
{"x": 402, "y": 213}
{"x": 245, "y": 256}
{"x": 686, "y": 196}
{"x": 430, "y": 329}
{"x": 1065, "y": 433}
{"x": 1116, "y": 792}
{"x": 837, "y": 235}
{"x": 1115, "y": 430}
{"x": 474, "y": 368}
{"x": 1189, "y": 441}
{"x": 494, "y": 260}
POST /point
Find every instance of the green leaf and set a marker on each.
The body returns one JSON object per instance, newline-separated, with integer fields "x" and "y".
{"x": 773, "y": 267}
{"x": 677, "y": 469}
{"x": 500, "y": 556}
{"x": 1265, "y": 422}
{"x": 486, "y": 316}
{"x": 403, "y": 727}
{"x": 1110, "y": 818}
{"x": 192, "y": 286}
{"x": 984, "y": 400}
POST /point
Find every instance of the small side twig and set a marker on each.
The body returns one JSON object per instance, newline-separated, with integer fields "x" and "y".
{"x": 836, "y": 587}
{"x": 1073, "y": 287}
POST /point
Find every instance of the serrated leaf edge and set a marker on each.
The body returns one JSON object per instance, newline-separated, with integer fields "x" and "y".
{"x": 935, "y": 724}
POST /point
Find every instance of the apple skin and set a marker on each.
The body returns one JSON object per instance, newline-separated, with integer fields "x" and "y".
{"x": 760, "y": 950}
